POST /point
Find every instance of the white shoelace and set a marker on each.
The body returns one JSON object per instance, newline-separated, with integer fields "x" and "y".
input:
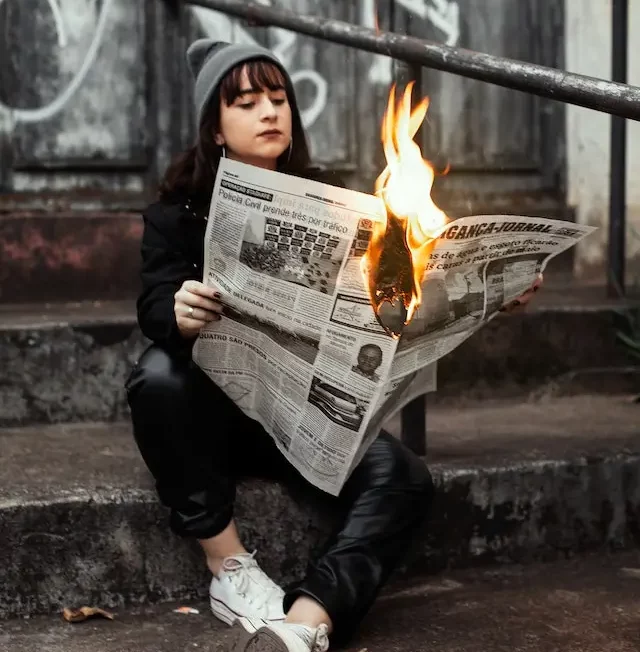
{"x": 244, "y": 570}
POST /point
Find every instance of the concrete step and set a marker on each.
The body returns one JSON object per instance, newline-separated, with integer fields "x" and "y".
{"x": 68, "y": 362}
{"x": 575, "y": 605}
{"x": 81, "y": 524}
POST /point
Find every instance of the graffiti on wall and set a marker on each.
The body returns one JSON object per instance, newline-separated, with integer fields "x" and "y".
{"x": 14, "y": 115}
{"x": 443, "y": 14}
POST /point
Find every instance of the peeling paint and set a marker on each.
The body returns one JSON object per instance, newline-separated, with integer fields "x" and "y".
{"x": 45, "y": 257}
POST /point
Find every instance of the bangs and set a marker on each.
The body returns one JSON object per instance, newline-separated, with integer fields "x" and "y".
{"x": 262, "y": 74}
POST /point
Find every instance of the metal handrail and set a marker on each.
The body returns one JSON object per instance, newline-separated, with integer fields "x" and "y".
{"x": 593, "y": 93}
{"x": 615, "y": 97}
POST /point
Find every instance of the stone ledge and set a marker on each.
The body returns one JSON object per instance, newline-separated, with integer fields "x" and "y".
{"x": 68, "y": 362}
{"x": 82, "y": 524}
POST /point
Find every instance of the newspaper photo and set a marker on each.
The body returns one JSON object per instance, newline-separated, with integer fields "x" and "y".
{"x": 300, "y": 348}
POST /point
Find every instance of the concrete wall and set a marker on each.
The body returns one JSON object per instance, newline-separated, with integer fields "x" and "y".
{"x": 95, "y": 100}
{"x": 88, "y": 94}
{"x": 588, "y": 51}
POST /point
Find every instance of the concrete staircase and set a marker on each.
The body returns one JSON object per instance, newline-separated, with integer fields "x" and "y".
{"x": 533, "y": 438}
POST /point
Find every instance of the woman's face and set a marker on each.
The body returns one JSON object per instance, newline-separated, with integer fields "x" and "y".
{"x": 256, "y": 127}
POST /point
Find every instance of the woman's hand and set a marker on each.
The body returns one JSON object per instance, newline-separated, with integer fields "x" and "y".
{"x": 523, "y": 299}
{"x": 195, "y": 305}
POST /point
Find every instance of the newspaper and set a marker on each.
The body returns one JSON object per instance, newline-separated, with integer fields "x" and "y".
{"x": 300, "y": 349}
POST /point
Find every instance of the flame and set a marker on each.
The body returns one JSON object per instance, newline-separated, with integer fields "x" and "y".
{"x": 412, "y": 216}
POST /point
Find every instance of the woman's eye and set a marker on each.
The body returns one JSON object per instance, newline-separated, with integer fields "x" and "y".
{"x": 279, "y": 102}
{"x": 247, "y": 105}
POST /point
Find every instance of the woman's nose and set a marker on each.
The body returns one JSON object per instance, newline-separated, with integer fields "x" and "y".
{"x": 268, "y": 109}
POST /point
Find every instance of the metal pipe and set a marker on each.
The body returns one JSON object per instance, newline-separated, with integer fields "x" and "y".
{"x": 413, "y": 425}
{"x": 618, "y": 171}
{"x": 598, "y": 94}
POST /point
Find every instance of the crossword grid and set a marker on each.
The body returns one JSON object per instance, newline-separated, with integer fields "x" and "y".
{"x": 299, "y": 240}
{"x": 304, "y": 241}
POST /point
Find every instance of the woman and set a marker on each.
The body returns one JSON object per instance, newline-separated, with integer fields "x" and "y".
{"x": 246, "y": 110}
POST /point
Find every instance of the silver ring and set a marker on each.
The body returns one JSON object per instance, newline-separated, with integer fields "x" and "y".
{"x": 190, "y": 311}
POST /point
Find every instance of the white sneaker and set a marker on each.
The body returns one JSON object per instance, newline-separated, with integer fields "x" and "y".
{"x": 242, "y": 588}
{"x": 265, "y": 636}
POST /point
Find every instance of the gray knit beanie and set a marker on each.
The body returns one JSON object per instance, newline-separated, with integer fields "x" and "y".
{"x": 209, "y": 61}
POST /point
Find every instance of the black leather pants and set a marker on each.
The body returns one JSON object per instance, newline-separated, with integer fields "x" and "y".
{"x": 197, "y": 442}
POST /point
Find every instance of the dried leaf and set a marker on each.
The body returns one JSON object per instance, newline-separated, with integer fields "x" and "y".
{"x": 83, "y": 613}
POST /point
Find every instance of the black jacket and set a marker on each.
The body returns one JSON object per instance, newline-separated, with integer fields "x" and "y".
{"x": 172, "y": 252}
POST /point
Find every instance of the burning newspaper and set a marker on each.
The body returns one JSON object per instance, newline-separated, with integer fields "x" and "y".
{"x": 301, "y": 348}
{"x": 338, "y": 304}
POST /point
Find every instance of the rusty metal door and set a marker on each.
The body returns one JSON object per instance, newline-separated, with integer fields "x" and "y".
{"x": 505, "y": 149}
{"x": 97, "y": 88}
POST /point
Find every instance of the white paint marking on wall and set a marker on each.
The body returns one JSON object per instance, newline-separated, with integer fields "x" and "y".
{"x": 446, "y": 17}
{"x": 310, "y": 114}
{"x": 49, "y": 110}
{"x": 443, "y": 14}
{"x": 220, "y": 27}
{"x": 381, "y": 70}
{"x": 57, "y": 17}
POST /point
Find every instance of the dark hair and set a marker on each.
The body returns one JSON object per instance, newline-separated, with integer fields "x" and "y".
{"x": 192, "y": 174}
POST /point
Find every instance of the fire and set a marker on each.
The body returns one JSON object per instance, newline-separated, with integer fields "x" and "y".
{"x": 395, "y": 261}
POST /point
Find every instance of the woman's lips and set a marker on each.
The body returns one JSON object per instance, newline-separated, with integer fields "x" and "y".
{"x": 272, "y": 133}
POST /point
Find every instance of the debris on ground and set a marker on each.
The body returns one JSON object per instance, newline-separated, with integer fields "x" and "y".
{"x": 186, "y": 610}
{"x": 83, "y": 613}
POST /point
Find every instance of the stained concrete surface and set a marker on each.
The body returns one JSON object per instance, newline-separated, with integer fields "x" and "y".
{"x": 88, "y": 457}
{"x": 589, "y": 604}
{"x": 500, "y": 431}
